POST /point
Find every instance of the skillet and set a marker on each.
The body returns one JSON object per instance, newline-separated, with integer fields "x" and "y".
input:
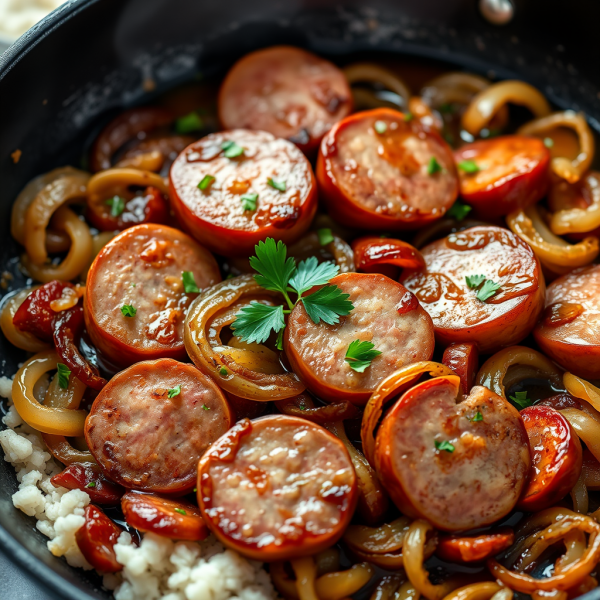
{"x": 61, "y": 81}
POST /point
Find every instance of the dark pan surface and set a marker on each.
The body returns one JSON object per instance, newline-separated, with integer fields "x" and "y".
{"x": 59, "y": 83}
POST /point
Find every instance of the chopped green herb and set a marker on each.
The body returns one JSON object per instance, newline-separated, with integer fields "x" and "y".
{"x": 195, "y": 490}
{"x": 548, "y": 142}
{"x": 63, "y": 375}
{"x": 434, "y": 166}
{"x": 380, "y": 127}
{"x": 206, "y": 182}
{"x": 205, "y": 407}
{"x": 189, "y": 123}
{"x": 360, "y": 355}
{"x": 249, "y": 201}
{"x": 469, "y": 166}
{"x": 133, "y": 285}
{"x": 91, "y": 484}
{"x": 408, "y": 116}
{"x": 521, "y": 400}
{"x": 447, "y": 108}
{"x": 231, "y": 149}
{"x": 128, "y": 311}
{"x": 278, "y": 185}
{"x": 445, "y": 445}
{"x": 223, "y": 372}
{"x": 477, "y": 417}
{"x": 310, "y": 273}
{"x": 459, "y": 210}
{"x": 180, "y": 511}
{"x": 117, "y": 206}
{"x": 487, "y": 290}
{"x": 325, "y": 236}
{"x": 327, "y": 304}
{"x": 254, "y": 323}
{"x": 189, "y": 283}
{"x": 279, "y": 342}
{"x": 302, "y": 406}
{"x": 474, "y": 281}
{"x": 174, "y": 391}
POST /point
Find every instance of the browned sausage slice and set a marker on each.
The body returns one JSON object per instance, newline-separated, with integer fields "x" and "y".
{"x": 277, "y": 488}
{"x": 569, "y": 330}
{"x": 385, "y": 313}
{"x": 452, "y": 287}
{"x": 142, "y": 269}
{"x": 151, "y": 424}
{"x": 460, "y": 466}
{"x": 286, "y": 91}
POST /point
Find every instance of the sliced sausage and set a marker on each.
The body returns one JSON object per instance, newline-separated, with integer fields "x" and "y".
{"x": 277, "y": 488}
{"x": 459, "y": 314}
{"x": 142, "y": 268}
{"x": 503, "y": 174}
{"x": 174, "y": 519}
{"x": 379, "y": 170}
{"x": 463, "y": 359}
{"x": 440, "y": 461}
{"x": 152, "y": 422}
{"x": 385, "y": 313}
{"x": 268, "y": 190}
{"x": 286, "y": 91}
{"x": 556, "y": 458}
{"x": 569, "y": 330}
{"x": 475, "y": 548}
{"x": 96, "y": 540}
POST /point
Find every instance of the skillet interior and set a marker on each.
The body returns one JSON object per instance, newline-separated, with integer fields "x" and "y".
{"x": 61, "y": 81}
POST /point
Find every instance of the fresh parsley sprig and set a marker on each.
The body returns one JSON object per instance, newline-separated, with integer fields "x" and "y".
{"x": 521, "y": 400}
{"x": 279, "y": 273}
{"x": 360, "y": 355}
{"x": 486, "y": 291}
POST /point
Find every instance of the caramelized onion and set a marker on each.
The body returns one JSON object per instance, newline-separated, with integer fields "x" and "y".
{"x": 373, "y": 73}
{"x": 489, "y": 101}
{"x": 18, "y": 338}
{"x": 574, "y": 219}
{"x": 303, "y": 406}
{"x": 219, "y": 360}
{"x": 493, "y": 372}
{"x": 571, "y": 170}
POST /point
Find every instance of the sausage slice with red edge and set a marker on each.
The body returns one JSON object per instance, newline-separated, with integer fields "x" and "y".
{"x": 569, "y": 330}
{"x": 277, "y": 488}
{"x": 458, "y": 311}
{"x": 286, "y": 91}
{"x": 440, "y": 461}
{"x": 503, "y": 174}
{"x": 150, "y": 425}
{"x": 385, "y": 313}
{"x": 142, "y": 268}
{"x": 267, "y": 190}
{"x": 379, "y": 170}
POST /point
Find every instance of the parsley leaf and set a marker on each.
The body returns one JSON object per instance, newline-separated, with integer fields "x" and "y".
{"x": 474, "y": 281}
{"x": 204, "y": 407}
{"x": 278, "y": 185}
{"x": 521, "y": 400}
{"x": 128, "y": 311}
{"x": 206, "y": 182}
{"x": 487, "y": 290}
{"x": 459, "y": 210}
{"x": 174, "y": 391}
{"x": 255, "y": 323}
{"x": 310, "y": 273}
{"x": 91, "y": 484}
{"x": 325, "y": 236}
{"x": 360, "y": 355}
{"x": 231, "y": 149}
{"x": 380, "y": 127}
{"x": 469, "y": 166}
{"x": 189, "y": 123}
{"x": 189, "y": 283}
{"x": 272, "y": 265}
{"x": 181, "y": 511}
{"x": 223, "y": 372}
{"x": 63, "y": 375}
{"x": 249, "y": 201}
{"x": 279, "y": 342}
{"x": 477, "y": 417}
{"x": 434, "y": 166}
{"x": 445, "y": 445}
{"x": 327, "y": 304}
{"x": 117, "y": 206}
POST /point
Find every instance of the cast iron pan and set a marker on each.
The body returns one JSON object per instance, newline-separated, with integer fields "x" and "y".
{"x": 63, "y": 79}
